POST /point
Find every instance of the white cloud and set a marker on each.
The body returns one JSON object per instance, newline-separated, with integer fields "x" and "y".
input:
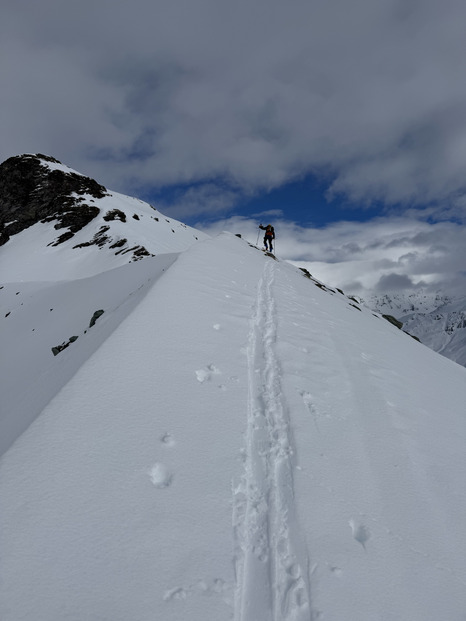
{"x": 254, "y": 94}
{"x": 201, "y": 199}
{"x": 382, "y": 254}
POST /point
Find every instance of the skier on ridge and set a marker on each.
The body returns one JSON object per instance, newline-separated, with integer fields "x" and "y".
{"x": 268, "y": 236}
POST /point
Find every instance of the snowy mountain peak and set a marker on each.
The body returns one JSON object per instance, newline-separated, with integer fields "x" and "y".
{"x": 438, "y": 320}
{"x": 56, "y": 223}
{"x": 37, "y": 188}
{"x": 399, "y": 303}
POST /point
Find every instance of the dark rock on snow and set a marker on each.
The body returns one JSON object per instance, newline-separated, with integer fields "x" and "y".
{"x": 56, "y": 350}
{"x": 95, "y": 316}
{"x": 30, "y": 192}
{"x": 115, "y": 214}
{"x": 394, "y": 321}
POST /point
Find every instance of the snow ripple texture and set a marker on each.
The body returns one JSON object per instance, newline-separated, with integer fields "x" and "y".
{"x": 271, "y": 558}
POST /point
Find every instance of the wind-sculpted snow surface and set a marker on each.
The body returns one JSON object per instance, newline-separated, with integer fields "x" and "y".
{"x": 244, "y": 445}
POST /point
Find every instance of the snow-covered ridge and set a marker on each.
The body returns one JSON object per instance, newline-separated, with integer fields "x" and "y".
{"x": 400, "y": 303}
{"x": 238, "y": 441}
{"x": 52, "y": 164}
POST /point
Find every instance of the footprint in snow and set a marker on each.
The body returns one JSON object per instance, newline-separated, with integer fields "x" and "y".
{"x": 167, "y": 439}
{"x": 360, "y": 533}
{"x": 205, "y": 374}
{"x": 160, "y": 475}
{"x": 213, "y": 587}
{"x": 176, "y": 593}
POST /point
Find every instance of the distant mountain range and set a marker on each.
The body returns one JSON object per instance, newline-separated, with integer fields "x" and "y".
{"x": 438, "y": 320}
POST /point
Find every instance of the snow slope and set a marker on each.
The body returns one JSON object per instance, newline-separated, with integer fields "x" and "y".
{"x": 38, "y": 316}
{"x": 243, "y": 445}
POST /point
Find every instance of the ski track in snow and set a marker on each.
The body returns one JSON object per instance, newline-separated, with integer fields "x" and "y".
{"x": 271, "y": 558}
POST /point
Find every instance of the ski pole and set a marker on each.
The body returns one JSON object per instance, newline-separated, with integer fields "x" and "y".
{"x": 258, "y": 233}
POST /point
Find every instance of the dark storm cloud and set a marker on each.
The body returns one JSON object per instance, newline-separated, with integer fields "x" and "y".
{"x": 394, "y": 282}
{"x": 252, "y": 93}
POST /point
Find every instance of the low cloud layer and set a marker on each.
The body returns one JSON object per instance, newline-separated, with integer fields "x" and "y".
{"x": 385, "y": 254}
{"x": 241, "y": 97}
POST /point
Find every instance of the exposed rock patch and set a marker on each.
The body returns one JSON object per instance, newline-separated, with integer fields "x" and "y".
{"x": 31, "y": 192}
{"x": 138, "y": 252}
{"x": 95, "y": 316}
{"x": 115, "y": 214}
{"x": 394, "y": 321}
{"x": 99, "y": 239}
{"x": 58, "y": 348}
{"x": 118, "y": 244}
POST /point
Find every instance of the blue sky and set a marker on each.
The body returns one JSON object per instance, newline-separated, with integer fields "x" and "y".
{"x": 302, "y": 201}
{"x": 305, "y": 202}
{"x": 346, "y": 122}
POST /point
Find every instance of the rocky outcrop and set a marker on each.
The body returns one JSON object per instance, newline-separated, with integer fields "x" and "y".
{"x": 393, "y": 321}
{"x": 115, "y": 214}
{"x": 58, "y": 348}
{"x": 37, "y": 188}
{"x": 95, "y": 316}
